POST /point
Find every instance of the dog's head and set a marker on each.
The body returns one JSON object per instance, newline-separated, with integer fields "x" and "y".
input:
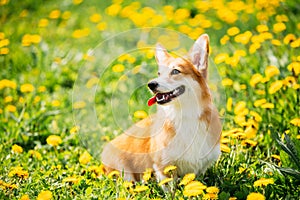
{"x": 181, "y": 78}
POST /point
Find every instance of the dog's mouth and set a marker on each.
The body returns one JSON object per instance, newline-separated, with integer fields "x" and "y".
{"x": 162, "y": 98}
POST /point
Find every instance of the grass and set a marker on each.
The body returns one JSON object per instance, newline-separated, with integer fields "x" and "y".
{"x": 45, "y": 46}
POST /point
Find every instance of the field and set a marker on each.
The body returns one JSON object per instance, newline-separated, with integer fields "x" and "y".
{"x": 74, "y": 73}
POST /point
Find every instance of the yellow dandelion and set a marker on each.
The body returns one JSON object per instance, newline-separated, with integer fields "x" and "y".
{"x": 74, "y": 129}
{"x": 250, "y": 132}
{"x": 66, "y": 15}
{"x": 224, "y": 39}
{"x": 210, "y": 196}
{"x": 255, "y": 196}
{"x": 249, "y": 142}
{"x": 166, "y": 180}
{"x": 25, "y": 197}
{"x": 169, "y": 168}
{"x": 140, "y": 188}
{"x": 276, "y": 42}
{"x": 289, "y": 38}
{"x": 55, "y": 103}
{"x": 127, "y": 184}
{"x": 95, "y": 18}
{"x": 262, "y": 28}
{"x": 233, "y": 31}
{"x": 140, "y": 114}
{"x": 77, "y": 2}
{"x": 85, "y": 158}
{"x": 8, "y": 99}
{"x": 263, "y": 182}
{"x": 113, "y": 10}
{"x": 147, "y": 174}
{"x": 118, "y": 68}
{"x": 16, "y": 148}
{"x": 295, "y": 67}
{"x": 187, "y": 179}
{"x": 243, "y": 38}
{"x": 221, "y": 58}
{"x": 35, "y": 154}
{"x": 11, "y": 108}
{"x": 229, "y": 104}
{"x": 295, "y": 121}
{"x": 79, "y": 105}
{"x": 194, "y": 188}
{"x": 42, "y": 89}
{"x": 239, "y": 119}
{"x": 267, "y": 105}
{"x": 27, "y": 87}
{"x": 279, "y": 27}
{"x": 256, "y": 116}
{"x": 271, "y": 71}
{"x": 255, "y": 79}
{"x": 259, "y": 102}
{"x": 212, "y": 190}
{"x": 18, "y": 171}
{"x": 239, "y": 107}
{"x": 4, "y": 51}
{"x": 275, "y": 86}
{"x": 54, "y": 14}
{"x": 92, "y": 82}
{"x": 225, "y": 148}
{"x": 227, "y": 82}
{"x": 45, "y": 195}
{"x": 43, "y": 23}
{"x": 54, "y": 140}
{"x": 277, "y": 157}
{"x": 101, "y": 26}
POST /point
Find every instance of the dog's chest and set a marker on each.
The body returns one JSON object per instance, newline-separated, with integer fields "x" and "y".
{"x": 191, "y": 149}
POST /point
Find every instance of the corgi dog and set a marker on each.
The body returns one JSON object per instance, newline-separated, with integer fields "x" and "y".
{"x": 185, "y": 131}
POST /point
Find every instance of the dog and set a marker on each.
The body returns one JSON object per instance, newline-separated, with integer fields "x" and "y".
{"x": 185, "y": 131}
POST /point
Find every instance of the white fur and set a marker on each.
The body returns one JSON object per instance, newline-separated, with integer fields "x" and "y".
{"x": 191, "y": 150}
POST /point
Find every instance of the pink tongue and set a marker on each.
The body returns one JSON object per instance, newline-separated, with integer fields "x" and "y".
{"x": 152, "y": 101}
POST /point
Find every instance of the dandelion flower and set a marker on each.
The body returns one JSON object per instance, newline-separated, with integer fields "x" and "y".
{"x": 229, "y": 104}
{"x": 227, "y": 82}
{"x": 263, "y": 182}
{"x": 212, "y": 190}
{"x": 140, "y": 114}
{"x": 147, "y": 174}
{"x": 225, "y": 148}
{"x": 255, "y": 79}
{"x": 11, "y": 108}
{"x": 295, "y": 122}
{"x": 140, "y": 188}
{"x": 275, "y": 86}
{"x": 267, "y": 105}
{"x": 233, "y": 31}
{"x": 19, "y": 172}
{"x": 271, "y": 71}
{"x": 45, "y": 195}
{"x": 187, "y": 178}
{"x": 54, "y": 140}
{"x": 166, "y": 180}
{"x": 169, "y": 169}
{"x": 26, "y": 88}
{"x": 194, "y": 188}
{"x": 279, "y": 27}
{"x": 25, "y": 197}
{"x": 17, "y": 149}
{"x": 85, "y": 158}
{"x": 255, "y": 196}
{"x": 79, "y": 105}
{"x": 118, "y": 68}
{"x": 295, "y": 67}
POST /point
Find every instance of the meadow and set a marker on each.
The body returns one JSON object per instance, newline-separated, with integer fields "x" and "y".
{"x": 59, "y": 102}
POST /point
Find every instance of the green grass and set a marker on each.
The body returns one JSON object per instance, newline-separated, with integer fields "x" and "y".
{"x": 255, "y": 146}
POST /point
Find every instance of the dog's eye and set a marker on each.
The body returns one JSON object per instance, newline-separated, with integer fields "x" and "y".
{"x": 175, "y": 71}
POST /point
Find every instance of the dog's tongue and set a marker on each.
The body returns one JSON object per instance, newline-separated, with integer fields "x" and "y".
{"x": 152, "y": 101}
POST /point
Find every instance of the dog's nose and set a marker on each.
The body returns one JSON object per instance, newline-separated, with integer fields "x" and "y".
{"x": 153, "y": 85}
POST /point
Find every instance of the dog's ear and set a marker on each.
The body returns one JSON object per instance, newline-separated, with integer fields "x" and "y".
{"x": 199, "y": 54}
{"x": 161, "y": 54}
